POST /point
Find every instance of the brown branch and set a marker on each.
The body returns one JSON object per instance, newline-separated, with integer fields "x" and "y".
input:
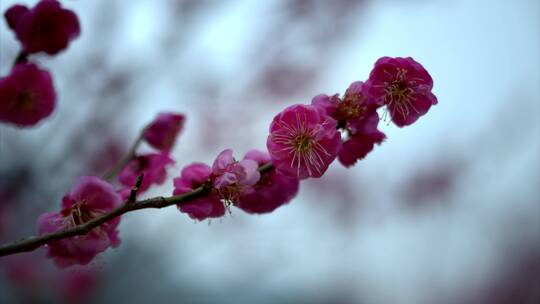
{"x": 132, "y": 199}
{"x": 34, "y": 242}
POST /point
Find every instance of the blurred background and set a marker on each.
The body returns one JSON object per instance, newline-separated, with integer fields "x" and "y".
{"x": 445, "y": 211}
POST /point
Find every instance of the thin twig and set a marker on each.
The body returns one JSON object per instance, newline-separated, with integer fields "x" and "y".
{"x": 34, "y": 242}
{"x": 113, "y": 172}
{"x": 133, "y": 193}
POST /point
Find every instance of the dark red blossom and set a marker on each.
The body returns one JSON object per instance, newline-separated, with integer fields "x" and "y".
{"x": 404, "y": 86}
{"x": 271, "y": 191}
{"x": 200, "y": 208}
{"x": 162, "y": 132}
{"x": 153, "y": 166}
{"x": 26, "y": 95}
{"x": 47, "y": 27}
{"x": 13, "y": 14}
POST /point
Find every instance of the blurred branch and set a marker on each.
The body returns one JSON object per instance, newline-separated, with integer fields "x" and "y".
{"x": 113, "y": 172}
{"x": 159, "y": 202}
{"x": 22, "y": 57}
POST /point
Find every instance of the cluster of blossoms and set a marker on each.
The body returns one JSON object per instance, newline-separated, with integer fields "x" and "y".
{"x": 304, "y": 140}
{"x": 27, "y": 94}
{"x": 237, "y": 183}
{"x": 92, "y": 197}
{"x": 160, "y": 134}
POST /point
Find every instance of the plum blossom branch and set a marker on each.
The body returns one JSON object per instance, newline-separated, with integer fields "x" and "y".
{"x": 303, "y": 141}
{"x": 33, "y": 242}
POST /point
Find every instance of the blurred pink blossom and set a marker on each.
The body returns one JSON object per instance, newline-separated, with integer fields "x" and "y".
{"x": 90, "y": 198}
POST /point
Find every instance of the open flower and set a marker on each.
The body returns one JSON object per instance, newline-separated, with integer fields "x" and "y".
{"x": 200, "y": 208}
{"x": 303, "y": 141}
{"x": 162, "y": 132}
{"x": 90, "y": 198}
{"x": 232, "y": 178}
{"x": 27, "y": 95}
{"x": 47, "y": 27}
{"x": 153, "y": 166}
{"x": 404, "y": 86}
{"x": 271, "y": 191}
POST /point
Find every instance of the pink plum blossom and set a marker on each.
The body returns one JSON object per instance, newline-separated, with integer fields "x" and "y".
{"x": 228, "y": 179}
{"x": 153, "y": 166}
{"x": 404, "y": 86}
{"x": 27, "y": 95}
{"x": 362, "y": 141}
{"x": 357, "y": 116}
{"x": 227, "y": 172}
{"x": 90, "y": 198}
{"x": 303, "y": 141}
{"x": 200, "y": 208}
{"x": 271, "y": 191}
{"x": 349, "y": 111}
{"x": 162, "y": 132}
{"x": 47, "y": 27}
